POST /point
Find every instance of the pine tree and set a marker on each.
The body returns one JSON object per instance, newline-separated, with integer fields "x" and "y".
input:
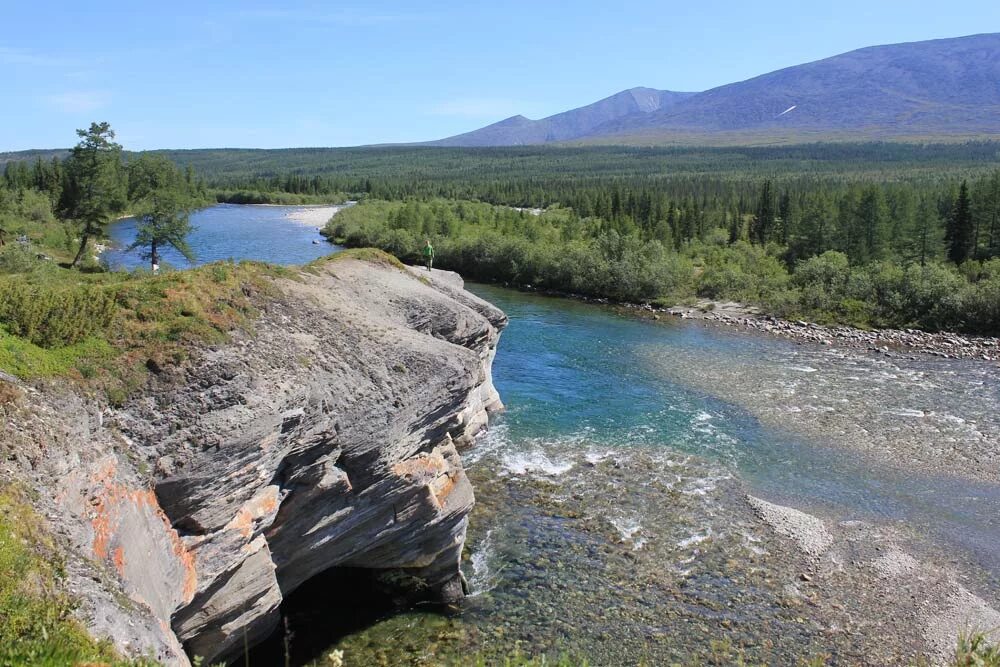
{"x": 764, "y": 217}
{"x": 97, "y": 190}
{"x": 959, "y": 233}
{"x": 162, "y": 196}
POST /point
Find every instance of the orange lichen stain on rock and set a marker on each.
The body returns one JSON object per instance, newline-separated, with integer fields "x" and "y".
{"x": 422, "y": 467}
{"x": 119, "y": 560}
{"x": 110, "y": 505}
{"x": 263, "y": 504}
{"x": 443, "y": 486}
{"x": 431, "y": 470}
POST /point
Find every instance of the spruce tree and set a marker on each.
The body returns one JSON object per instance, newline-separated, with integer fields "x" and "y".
{"x": 928, "y": 231}
{"x": 959, "y": 233}
{"x": 97, "y": 189}
{"x": 764, "y": 217}
{"x": 873, "y": 219}
{"x": 986, "y": 213}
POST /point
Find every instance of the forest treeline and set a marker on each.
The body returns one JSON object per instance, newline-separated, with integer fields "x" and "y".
{"x": 59, "y": 206}
{"x": 870, "y": 234}
{"x": 866, "y": 268}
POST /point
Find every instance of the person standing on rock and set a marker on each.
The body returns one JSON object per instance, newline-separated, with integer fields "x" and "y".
{"x": 428, "y": 254}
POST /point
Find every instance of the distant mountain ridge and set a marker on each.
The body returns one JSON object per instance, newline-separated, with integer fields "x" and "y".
{"x": 933, "y": 89}
{"x": 45, "y": 154}
{"x": 568, "y": 125}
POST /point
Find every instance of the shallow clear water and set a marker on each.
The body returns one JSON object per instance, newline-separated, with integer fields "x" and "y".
{"x": 609, "y": 518}
{"x": 229, "y": 231}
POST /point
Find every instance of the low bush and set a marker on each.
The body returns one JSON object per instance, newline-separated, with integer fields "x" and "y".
{"x": 53, "y": 314}
{"x": 560, "y": 251}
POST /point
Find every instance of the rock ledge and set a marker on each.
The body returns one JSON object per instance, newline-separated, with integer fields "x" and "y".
{"x": 328, "y": 436}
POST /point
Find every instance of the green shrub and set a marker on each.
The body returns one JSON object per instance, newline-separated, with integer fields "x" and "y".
{"x": 17, "y": 258}
{"x": 742, "y": 272}
{"x": 53, "y": 314}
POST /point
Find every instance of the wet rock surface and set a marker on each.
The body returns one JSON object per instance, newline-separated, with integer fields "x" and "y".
{"x": 683, "y": 568}
{"x": 678, "y": 493}
{"x": 326, "y": 436}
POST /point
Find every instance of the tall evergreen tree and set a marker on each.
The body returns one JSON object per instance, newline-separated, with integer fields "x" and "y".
{"x": 959, "y": 233}
{"x": 162, "y": 195}
{"x": 785, "y": 216}
{"x": 96, "y": 191}
{"x": 873, "y": 219}
{"x": 928, "y": 231}
{"x": 986, "y": 213}
{"x": 764, "y": 217}
{"x": 735, "y": 227}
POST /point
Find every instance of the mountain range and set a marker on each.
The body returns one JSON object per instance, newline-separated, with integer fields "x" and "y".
{"x": 938, "y": 89}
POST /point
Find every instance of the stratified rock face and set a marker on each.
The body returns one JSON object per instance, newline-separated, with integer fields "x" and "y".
{"x": 327, "y": 437}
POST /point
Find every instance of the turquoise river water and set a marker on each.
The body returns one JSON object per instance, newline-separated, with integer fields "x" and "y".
{"x": 610, "y": 519}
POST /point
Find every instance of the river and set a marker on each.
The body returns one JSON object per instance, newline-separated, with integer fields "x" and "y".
{"x": 277, "y": 234}
{"x": 612, "y": 523}
{"x": 612, "y": 519}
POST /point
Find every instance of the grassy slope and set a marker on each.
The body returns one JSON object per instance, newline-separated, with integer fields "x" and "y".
{"x": 36, "y": 627}
{"x": 50, "y": 327}
{"x": 151, "y": 321}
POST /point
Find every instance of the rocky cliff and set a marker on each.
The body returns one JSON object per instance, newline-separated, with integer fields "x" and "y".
{"x": 326, "y": 436}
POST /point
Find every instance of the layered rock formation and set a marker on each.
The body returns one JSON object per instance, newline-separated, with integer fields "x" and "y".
{"x": 327, "y": 436}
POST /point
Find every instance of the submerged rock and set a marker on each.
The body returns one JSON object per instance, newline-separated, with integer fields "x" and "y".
{"x": 328, "y": 436}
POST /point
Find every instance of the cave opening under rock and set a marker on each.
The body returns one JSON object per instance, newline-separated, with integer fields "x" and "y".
{"x": 328, "y": 607}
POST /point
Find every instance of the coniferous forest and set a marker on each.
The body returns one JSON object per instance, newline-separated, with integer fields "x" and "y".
{"x": 897, "y": 235}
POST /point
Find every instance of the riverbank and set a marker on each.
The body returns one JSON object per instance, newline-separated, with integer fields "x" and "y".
{"x": 313, "y": 216}
{"x": 888, "y": 342}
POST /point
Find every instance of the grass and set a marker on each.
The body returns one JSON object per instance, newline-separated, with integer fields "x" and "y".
{"x": 36, "y": 626}
{"x": 26, "y": 360}
{"x": 108, "y": 330}
{"x": 370, "y": 255}
{"x": 975, "y": 650}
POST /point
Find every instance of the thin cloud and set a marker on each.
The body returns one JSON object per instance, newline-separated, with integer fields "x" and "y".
{"x": 79, "y": 101}
{"x": 476, "y": 107}
{"x": 25, "y": 57}
{"x": 343, "y": 17}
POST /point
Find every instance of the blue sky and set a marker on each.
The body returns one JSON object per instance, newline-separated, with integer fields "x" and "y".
{"x": 211, "y": 74}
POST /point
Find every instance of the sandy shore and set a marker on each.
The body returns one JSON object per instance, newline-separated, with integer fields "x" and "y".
{"x": 313, "y": 216}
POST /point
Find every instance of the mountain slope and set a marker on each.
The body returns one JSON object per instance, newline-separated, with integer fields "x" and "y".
{"x": 945, "y": 88}
{"x": 569, "y": 125}
{"x": 933, "y": 88}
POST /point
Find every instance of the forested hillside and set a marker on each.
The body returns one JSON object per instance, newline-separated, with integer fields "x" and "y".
{"x": 871, "y": 234}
